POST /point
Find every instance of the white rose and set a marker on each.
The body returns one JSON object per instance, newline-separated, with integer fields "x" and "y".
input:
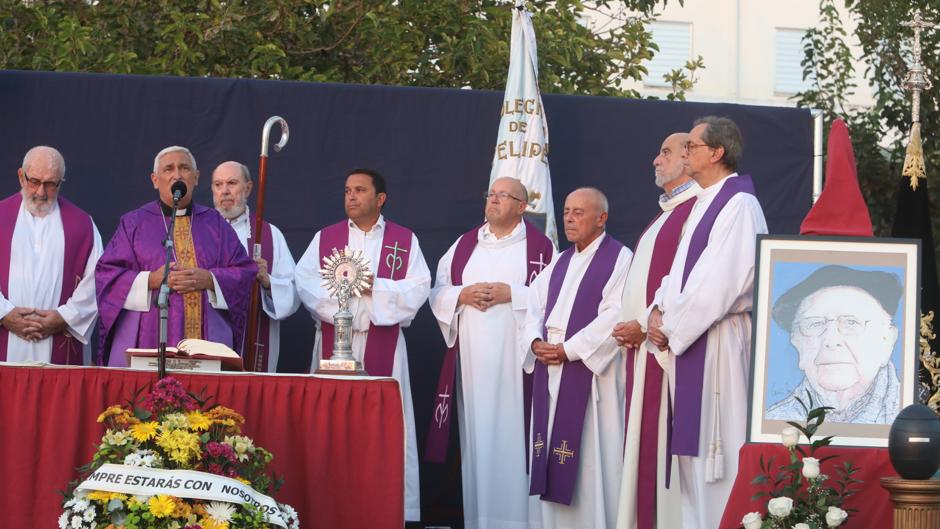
{"x": 752, "y": 520}
{"x": 835, "y": 516}
{"x": 810, "y": 467}
{"x": 780, "y": 507}
{"x": 790, "y": 436}
{"x": 801, "y": 525}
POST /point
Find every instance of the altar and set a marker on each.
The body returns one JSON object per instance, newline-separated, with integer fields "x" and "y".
{"x": 338, "y": 442}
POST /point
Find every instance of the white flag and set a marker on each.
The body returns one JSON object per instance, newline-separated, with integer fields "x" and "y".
{"x": 522, "y": 142}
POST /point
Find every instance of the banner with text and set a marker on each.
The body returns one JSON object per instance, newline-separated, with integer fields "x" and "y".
{"x": 192, "y": 484}
{"x": 522, "y": 142}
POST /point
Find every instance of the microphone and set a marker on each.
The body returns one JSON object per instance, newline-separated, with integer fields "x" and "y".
{"x": 179, "y": 191}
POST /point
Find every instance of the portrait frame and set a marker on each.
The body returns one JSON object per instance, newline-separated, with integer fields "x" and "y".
{"x": 792, "y": 269}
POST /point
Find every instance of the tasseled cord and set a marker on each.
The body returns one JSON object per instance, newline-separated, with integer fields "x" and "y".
{"x": 715, "y": 462}
{"x": 914, "y": 157}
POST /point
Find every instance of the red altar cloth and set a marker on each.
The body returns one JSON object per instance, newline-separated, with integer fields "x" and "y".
{"x": 339, "y": 444}
{"x": 871, "y": 500}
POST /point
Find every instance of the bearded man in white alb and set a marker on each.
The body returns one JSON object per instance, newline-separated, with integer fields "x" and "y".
{"x": 231, "y": 187}
{"x": 701, "y": 315}
{"x": 48, "y": 251}
{"x": 645, "y": 500}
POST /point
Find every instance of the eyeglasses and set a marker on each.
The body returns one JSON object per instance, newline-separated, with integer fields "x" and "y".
{"x": 689, "y": 146}
{"x": 815, "y": 326}
{"x": 49, "y": 185}
{"x": 502, "y": 195}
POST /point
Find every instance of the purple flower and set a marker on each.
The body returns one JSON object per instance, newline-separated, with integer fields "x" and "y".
{"x": 169, "y": 394}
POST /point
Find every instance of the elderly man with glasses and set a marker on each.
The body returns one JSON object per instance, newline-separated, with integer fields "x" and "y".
{"x": 841, "y": 323}
{"x": 48, "y": 251}
{"x": 479, "y": 299}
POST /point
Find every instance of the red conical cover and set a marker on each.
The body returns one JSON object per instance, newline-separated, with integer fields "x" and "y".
{"x": 841, "y": 209}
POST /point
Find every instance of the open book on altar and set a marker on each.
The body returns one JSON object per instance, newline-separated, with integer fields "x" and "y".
{"x": 190, "y": 354}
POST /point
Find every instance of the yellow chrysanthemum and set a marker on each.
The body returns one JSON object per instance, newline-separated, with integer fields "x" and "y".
{"x": 245, "y": 481}
{"x": 111, "y": 411}
{"x": 198, "y": 421}
{"x": 105, "y": 496}
{"x": 181, "y": 445}
{"x": 144, "y": 431}
{"x": 210, "y": 523}
{"x": 161, "y": 505}
{"x": 183, "y": 510}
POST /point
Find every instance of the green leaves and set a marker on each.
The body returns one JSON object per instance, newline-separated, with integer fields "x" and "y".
{"x": 439, "y": 43}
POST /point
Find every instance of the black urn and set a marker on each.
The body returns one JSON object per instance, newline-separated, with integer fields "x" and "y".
{"x": 914, "y": 442}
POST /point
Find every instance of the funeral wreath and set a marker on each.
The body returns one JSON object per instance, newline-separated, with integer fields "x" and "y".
{"x": 800, "y": 496}
{"x": 168, "y": 460}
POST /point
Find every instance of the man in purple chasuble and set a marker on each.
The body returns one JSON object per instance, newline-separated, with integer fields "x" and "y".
{"x": 231, "y": 187}
{"x": 48, "y": 251}
{"x": 700, "y": 317}
{"x": 576, "y": 442}
{"x": 210, "y": 276}
{"x": 645, "y": 502}
{"x": 480, "y": 301}
{"x": 400, "y": 286}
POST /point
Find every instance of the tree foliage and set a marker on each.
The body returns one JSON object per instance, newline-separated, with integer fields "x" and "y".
{"x": 878, "y": 133}
{"x": 438, "y": 43}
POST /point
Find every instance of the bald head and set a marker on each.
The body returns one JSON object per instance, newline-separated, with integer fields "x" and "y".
{"x": 515, "y": 186}
{"x": 231, "y": 186}
{"x": 45, "y": 158}
{"x": 42, "y": 173}
{"x": 670, "y": 167}
{"x": 585, "y": 216}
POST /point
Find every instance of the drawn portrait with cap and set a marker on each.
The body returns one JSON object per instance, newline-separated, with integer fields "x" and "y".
{"x": 841, "y": 325}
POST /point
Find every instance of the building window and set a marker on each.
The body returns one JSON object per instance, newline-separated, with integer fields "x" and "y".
{"x": 675, "y": 49}
{"x": 789, "y": 53}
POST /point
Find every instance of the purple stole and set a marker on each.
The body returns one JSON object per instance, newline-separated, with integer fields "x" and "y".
{"x": 382, "y": 340}
{"x": 555, "y": 463}
{"x": 664, "y": 251}
{"x": 690, "y": 367}
{"x": 538, "y": 247}
{"x": 79, "y": 240}
{"x": 263, "y": 321}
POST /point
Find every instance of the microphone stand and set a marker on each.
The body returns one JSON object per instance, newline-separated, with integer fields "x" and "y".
{"x": 163, "y": 298}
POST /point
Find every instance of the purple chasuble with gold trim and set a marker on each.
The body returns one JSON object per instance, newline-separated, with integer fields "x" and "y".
{"x": 79, "y": 241}
{"x": 382, "y": 340}
{"x": 690, "y": 367}
{"x": 555, "y": 461}
{"x": 137, "y": 246}
{"x": 539, "y": 251}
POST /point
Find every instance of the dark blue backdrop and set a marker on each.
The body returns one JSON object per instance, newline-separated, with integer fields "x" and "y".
{"x": 434, "y": 146}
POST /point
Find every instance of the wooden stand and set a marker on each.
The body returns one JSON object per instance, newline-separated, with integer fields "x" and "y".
{"x": 916, "y": 502}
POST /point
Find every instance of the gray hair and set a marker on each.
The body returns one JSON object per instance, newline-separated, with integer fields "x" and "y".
{"x": 57, "y": 158}
{"x": 722, "y": 132}
{"x": 168, "y": 150}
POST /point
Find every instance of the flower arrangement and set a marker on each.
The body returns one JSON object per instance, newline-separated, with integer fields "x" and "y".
{"x": 170, "y": 461}
{"x": 800, "y": 497}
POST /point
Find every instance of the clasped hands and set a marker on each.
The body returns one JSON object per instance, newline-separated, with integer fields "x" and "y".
{"x": 482, "y": 296}
{"x": 629, "y": 334}
{"x": 182, "y": 279}
{"x": 33, "y": 325}
{"x": 548, "y": 353}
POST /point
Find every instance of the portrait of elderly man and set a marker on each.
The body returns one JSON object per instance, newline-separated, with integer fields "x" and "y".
{"x": 841, "y": 323}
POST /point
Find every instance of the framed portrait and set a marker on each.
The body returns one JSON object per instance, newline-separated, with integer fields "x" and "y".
{"x": 837, "y": 319}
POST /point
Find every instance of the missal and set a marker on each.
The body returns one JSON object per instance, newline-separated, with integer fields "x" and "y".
{"x": 190, "y": 354}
